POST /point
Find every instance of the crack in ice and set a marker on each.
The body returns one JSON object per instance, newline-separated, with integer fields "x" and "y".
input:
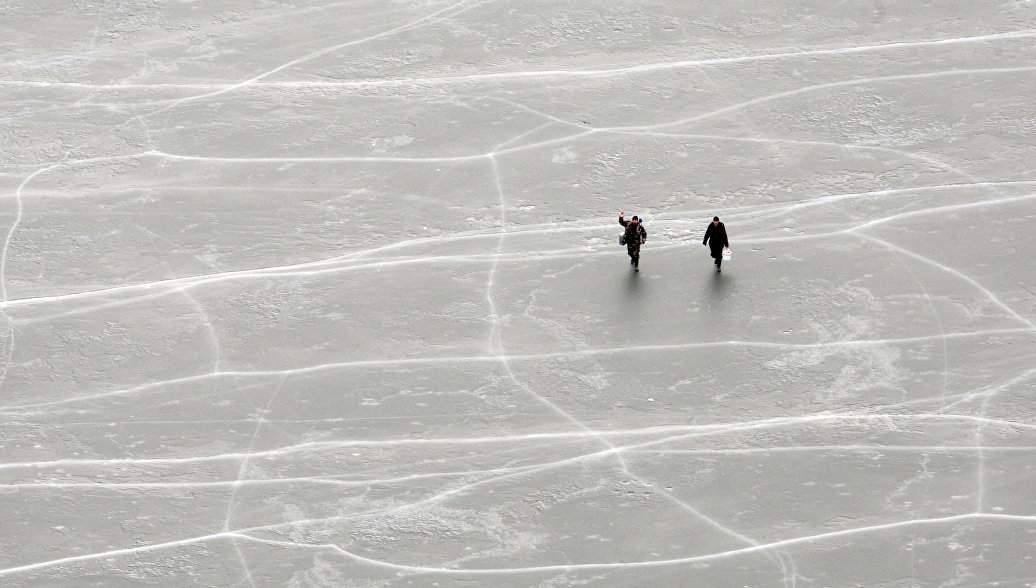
{"x": 491, "y": 358}
{"x": 807, "y": 539}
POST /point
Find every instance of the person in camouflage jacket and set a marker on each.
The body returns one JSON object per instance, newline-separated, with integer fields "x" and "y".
{"x": 635, "y": 237}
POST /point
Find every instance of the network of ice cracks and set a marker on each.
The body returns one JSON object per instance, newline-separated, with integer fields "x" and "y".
{"x": 418, "y": 356}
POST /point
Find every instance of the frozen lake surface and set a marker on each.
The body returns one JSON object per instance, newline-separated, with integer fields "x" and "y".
{"x": 329, "y": 293}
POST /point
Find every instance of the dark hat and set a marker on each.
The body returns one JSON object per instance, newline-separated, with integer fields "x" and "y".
{"x": 635, "y": 218}
{"x": 715, "y": 218}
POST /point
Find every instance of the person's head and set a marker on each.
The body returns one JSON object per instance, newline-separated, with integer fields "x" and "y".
{"x": 636, "y": 220}
{"x": 715, "y": 220}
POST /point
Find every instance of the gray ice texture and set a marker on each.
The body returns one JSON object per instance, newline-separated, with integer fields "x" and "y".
{"x": 330, "y": 294}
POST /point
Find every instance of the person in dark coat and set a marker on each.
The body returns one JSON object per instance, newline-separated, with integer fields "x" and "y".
{"x": 635, "y": 237}
{"x": 716, "y": 239}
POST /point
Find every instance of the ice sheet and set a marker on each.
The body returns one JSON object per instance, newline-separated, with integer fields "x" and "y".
{"x": 329, "y": 294}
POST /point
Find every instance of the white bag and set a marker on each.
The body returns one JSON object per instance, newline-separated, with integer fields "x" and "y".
{"x": 726, "y": 254}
